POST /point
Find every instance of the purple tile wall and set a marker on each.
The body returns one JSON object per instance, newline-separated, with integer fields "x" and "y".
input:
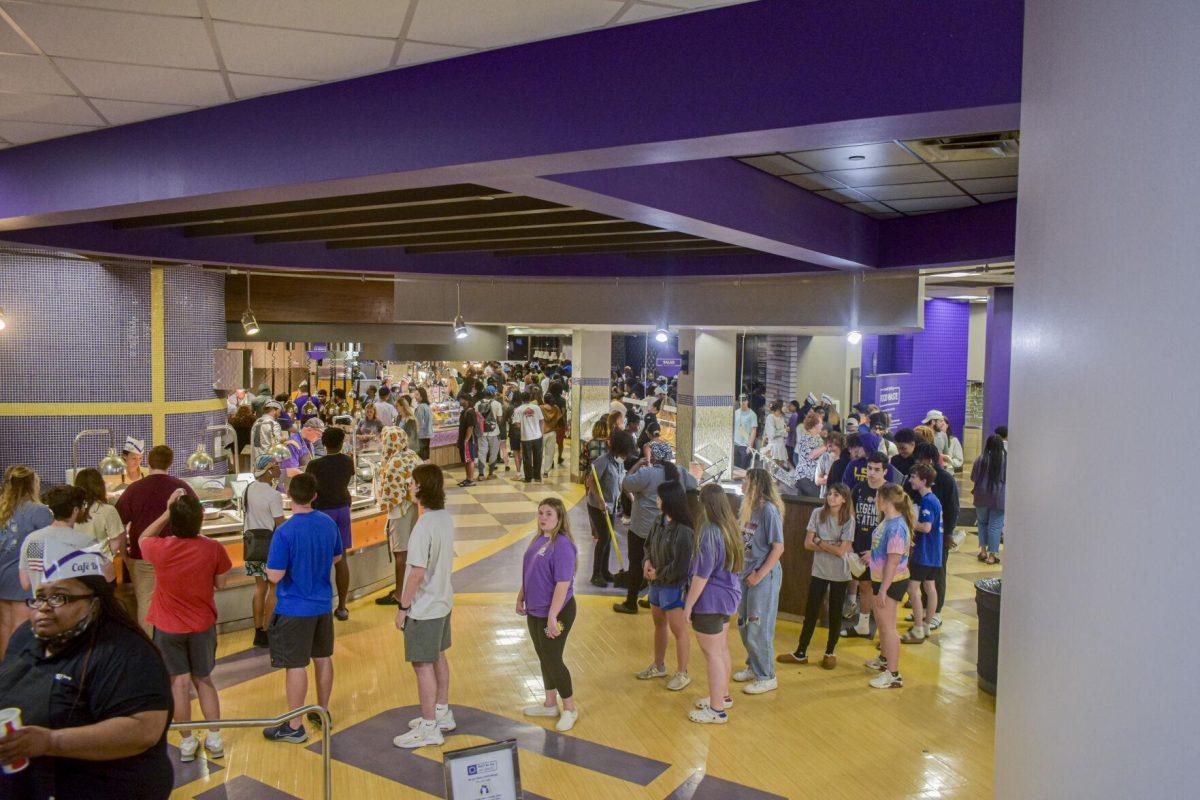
{"x": 44, "y": 443}
{"x": 997, "y": 359}
{"x": 939, "y": 369}
{"x": 185, "y": 431}
{"x": 194, "y": 322}
{"x": 78, "y": 331}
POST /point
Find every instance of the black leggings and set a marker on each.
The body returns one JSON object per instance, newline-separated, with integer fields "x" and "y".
{"x": 600, "y": 522}
{"x": 637, "y": 554}
{"x": 531, "y": 460}
{"x": 555, "y": 675}
{"x": 816, "y": 593}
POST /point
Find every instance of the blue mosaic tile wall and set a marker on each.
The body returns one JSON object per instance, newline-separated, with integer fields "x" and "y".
{"x": 194, "y": 321}
{"x": 185, "y": 431}
{"x": 78, "y": 331}
{"x": 44, "y": 443}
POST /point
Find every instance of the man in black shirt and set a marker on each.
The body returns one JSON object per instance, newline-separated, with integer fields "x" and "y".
{"x": 333, "y": 472}
{"x": 467, "y": 446}
{"x": 945, "y": 489}
{"x": 866, "y": 517}
{"x": 903, "y": 461}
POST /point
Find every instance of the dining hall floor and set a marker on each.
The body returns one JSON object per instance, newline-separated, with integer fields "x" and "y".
{"x": 823, "y": 734}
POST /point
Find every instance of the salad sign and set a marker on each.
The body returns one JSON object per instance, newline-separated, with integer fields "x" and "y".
{"x": 319, "y": 351}
{"x": 668, "y": 362}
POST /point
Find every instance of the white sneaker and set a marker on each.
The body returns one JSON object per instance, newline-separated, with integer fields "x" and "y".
{"x": 426, "y": 733}
{"x": 706, "y": 716}
{"x": 188, "y": 748}
{"x": 744, "y": 675}
{"x": 703, "y": 703}
{"x": 887, "y": 680}
{"x": 863, "y": 626}
{"x": 878, "y": 663}
{"x": 651, "y": 672}
{"x": 935, "y": 622}
{"x": 214, "y": 745}
{"x": 445, "y": 720}
{"x": 566, "y": 720}
{"x": 540, "y": 710}
{"x": 915, "y": 636}
{"x": 762, "y": 686}
{"x": 678, "y": 681}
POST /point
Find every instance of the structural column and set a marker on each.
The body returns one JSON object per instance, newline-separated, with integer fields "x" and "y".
{"x": 591, "y": 366}
{"x": 997, "y": 359}
{"x": 706, "y": 395}
{"x": 1097, "y": 679}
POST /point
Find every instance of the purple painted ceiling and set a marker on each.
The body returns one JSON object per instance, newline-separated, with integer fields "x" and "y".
{"x": 639, "y": 122}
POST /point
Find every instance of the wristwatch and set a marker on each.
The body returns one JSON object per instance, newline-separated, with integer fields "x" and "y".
{"x": 405, "y": 609}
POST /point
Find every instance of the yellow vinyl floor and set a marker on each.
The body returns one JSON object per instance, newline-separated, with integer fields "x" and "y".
{"x": 823, "y": 734}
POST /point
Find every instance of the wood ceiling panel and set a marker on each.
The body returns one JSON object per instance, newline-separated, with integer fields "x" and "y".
{"x": 488, "y": 240}
{"x": 566, "y": 243}
{"x": 700, "y": 245}
{"x": 531, "y": 220}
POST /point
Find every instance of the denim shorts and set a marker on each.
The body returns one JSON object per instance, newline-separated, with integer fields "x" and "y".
{"x": 667, "y": 597}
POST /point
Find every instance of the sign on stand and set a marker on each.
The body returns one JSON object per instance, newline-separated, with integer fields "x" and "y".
{"x": 487, "y": 772}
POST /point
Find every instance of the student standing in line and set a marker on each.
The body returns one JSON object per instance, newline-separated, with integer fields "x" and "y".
{"x": 395, "y": 497}
{"x": 669, "y": 550}
{"x": 809, "y": 447}
{"x": 745, "y": 432}
{"x": 101, "y": 520}
{"x": 761, "y": 521}
{"x": 830, "y": 536}
{"x": 832, "y": 462}
{"x": 945, "y": 440}
{"x": 989, "y": 476}
{"x": 529, "y": 417}
{"x": 640, "y": 484}
{"x": 426, "y": 602}
{"x": 888, "y": 560}
{"x": 468, "y": 441}
{"x": 424, "y": 415}
{"x": 490, "y": 414}
{"x": 714, "y": 593}
{"x": 793, "y": 422}
{"x": 263, "y": 514}
{"x": 547, "y": 601}
{"x": 189, "y": 568}
{"x": 906, "y": 444}
{"x": 603, "y": 499}
{"x": 945, "y": 489}
{"x": 334, "y": 471}
{"x": 67, "y": 504}
{"x": 384, "y": 409}
{"x": 926, "y": 559}
{"x": 866, "y": 515}
{"x": 775, "y": 434}
{"x": 303, "y": 552}
{"x": 551, "y": 417}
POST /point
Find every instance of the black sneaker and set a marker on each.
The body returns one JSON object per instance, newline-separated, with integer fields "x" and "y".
{"x": 598, "y": 581}
{"x": 621, "y": 608}
{"x": 643, "y": 602}
{"x": 314, "y": 719}
{"x": 283, "y": 732}
{"x": 260, "y": 638}
{"x": 388, "y": 599}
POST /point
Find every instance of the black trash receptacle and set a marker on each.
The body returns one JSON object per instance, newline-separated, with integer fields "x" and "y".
{"x": 987, "y": 607}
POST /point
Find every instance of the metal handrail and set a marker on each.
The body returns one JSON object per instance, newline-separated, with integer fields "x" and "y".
{"x": 326, "y": 723}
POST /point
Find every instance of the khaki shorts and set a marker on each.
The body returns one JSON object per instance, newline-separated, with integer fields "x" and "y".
{"x": 399, "y": 529}
{"x": 425, "y": 639}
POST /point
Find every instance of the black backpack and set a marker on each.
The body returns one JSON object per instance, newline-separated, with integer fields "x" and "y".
{"x": 487, "y": 419}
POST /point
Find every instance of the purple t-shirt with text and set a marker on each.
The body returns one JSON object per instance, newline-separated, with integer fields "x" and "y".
{"x": 545, "y": 565}
{"x": 723, "y": 591}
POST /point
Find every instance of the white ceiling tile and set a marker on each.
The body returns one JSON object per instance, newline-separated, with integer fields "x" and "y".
{"x": 360, "y": 17}
{"x": 30, "y": 74}
{"x": 47, "y": 108}
{"x": 122, "y": 112}
{"x": 990, "y": 185}
{"x": 640, "y": 13}
{"x": 699, "y": 4}
{"x": 883, "y": 154}
{"x": 844, "y": 195}
{"x": 253, "y": 85}
{"x": 992, "y": 198}
{"x": 145, "y": 84}
{"x": 881, "y": 176}
{"x": 420, "y": 52}
{"x": 876, "y": 208}
{"x": 814, "y": 181}
{"x": 11, "y": 41}
{"x": 904, "y": 191}
{"x": 116, "y": 36}
{"x": 25, "y": 132}
{"x": 887, "y": 215}
{"x": 931, "y": 203}
{"x": 182, "y": 8}
{"x": 775, "y": 164}
{"x": 300, "y": 54}
{"x": 979, "y": 168}
{"x": 495, "y": 23}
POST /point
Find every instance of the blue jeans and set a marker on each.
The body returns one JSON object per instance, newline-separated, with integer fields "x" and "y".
{"x": 756, "y": 622}
{"x": 991, "y": 525}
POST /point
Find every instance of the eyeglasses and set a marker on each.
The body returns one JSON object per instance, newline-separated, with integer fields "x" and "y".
{"x": 55, "y": 600}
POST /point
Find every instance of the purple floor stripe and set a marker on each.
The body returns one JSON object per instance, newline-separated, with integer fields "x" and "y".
{"x": 241, "y": 666}
{"x": 192, "y": 770}
{"x": 706, "y": 787}
{"x": 244, "y": 788}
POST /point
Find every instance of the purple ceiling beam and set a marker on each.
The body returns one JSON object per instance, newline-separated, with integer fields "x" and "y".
{"x": 722, "y": 82}
{"x": 950, "y": 238}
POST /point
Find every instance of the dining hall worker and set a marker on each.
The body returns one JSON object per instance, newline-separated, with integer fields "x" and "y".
{"x": 92, "y": 690}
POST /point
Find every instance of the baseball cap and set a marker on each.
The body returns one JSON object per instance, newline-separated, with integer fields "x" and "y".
{"x": 272, "y": 404}
{"x": 315, "y": 423}
{"x": 262, "y": 464}
{"x": 490, "y": 390}
{"x": 932, "y": 415}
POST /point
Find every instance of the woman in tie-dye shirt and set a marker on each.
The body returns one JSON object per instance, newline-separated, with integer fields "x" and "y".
{"x": 394, "y": 493}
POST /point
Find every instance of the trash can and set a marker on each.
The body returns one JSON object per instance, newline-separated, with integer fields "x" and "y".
{"x": 987, "y": 607}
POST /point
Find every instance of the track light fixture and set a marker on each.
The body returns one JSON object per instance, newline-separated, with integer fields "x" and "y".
{"x": 460, "y": 327}
{"x": 854, "y": 337}
{"x": 249, "y": 323}
{"x": 662, "y": 335}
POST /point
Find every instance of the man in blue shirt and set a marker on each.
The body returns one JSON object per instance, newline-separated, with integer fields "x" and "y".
{"x": 926, "y": 560}
{"x": 303, "y": 552}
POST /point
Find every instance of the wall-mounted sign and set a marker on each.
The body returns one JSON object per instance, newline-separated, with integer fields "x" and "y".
{"x": 487, "y": 772}
{"x": 668, "y": 362}
{"x": 318, "y": 351}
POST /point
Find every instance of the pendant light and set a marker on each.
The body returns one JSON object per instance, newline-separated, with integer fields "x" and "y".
{"x": 460, "y": 327}
{"x": 112, "y": 464}
{"x": 662, "y": 335}
{"x": 854, "y": 335}
{"x": 249, "y": 323}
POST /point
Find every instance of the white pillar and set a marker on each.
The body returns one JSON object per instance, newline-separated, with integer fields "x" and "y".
{"x": 1098, "y": 650}
{"x": 706, "y": 394}
{"x": 591, "y": 366}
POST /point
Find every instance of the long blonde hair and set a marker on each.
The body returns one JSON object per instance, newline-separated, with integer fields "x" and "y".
{"x": 20, "y": 484}
{"x": 900, "y": 501}
{"x": 760, "y": 490}
{"x": 562, "y": 528}
{"x": 715, "y": 510}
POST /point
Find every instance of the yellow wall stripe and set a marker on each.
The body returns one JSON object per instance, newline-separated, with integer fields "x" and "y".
{"x": 89, "y": 409}
{"x": 158, "y": 357}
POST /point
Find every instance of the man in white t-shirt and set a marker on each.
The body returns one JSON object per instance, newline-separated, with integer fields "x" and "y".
{"x": 425, "y": 605}
{"x": 385, "y": 412}
{"x": 529, "y": 416}
{"x": 67, "y": 504}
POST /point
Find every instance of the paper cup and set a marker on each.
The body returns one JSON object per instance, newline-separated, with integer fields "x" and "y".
{"x": 10, "y": 720}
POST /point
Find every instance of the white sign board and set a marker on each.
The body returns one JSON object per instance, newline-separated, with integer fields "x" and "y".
{"x": 486, "y": 772}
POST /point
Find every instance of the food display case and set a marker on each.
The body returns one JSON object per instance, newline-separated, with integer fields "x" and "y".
{"x": 443, "y": 449}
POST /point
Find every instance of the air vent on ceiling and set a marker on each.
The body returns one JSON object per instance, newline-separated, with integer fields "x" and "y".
{"x": 1004, "y": 144}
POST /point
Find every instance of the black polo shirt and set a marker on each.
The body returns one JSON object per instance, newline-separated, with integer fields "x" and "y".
{"x": 113, "y": 673}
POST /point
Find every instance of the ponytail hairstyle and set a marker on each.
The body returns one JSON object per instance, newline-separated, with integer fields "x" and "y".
{"x": 847, "y": 507}
{"x": 760, "y": 490}
{"x": 900, "y": 501}
{"x": 20, "y": 484}
{"x": 715, "y": 510}
{"x": 994, "y": 458}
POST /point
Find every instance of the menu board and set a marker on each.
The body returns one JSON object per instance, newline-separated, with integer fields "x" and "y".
{"x": 488, "y": 771}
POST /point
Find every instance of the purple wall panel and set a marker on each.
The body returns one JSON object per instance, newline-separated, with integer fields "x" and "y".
{"x": 44, "y": 443}
{"x": 194, "y": 316}
{"x": 997, "y": 360}
{"x": 185, "y": 431}
{"x": 939, "y": 369}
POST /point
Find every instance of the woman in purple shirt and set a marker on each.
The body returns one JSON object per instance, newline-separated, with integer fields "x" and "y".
{"x": 547, "y": 600}
{"x": 713, "y": 595}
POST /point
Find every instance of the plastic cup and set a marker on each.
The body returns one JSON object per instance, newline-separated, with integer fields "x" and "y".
{"x": 10, "y": 720}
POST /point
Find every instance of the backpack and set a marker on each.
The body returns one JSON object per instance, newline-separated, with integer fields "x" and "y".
{"x": 485, "y": 420}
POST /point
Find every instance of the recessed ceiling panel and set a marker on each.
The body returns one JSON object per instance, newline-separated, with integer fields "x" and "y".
{"x": 496, "y": 23}
{"x": 990, "y": 185}
{"x": 814, "y": 181}
{"x": 145, "y": 84}
{"x": 870, "y": 208}
{"x": 882, "y": 154}
{"x": 979, "y": 168}
{"x": 844, "y": 195}
{"x": 300, "y": 54}
{"x": 30, "y": 74}
{"x": 776, "y": 164}
{"x": 382, "y": 18}
{"x": 47, "y": 108}
{"x": 902, "y": 191}
{"x": 880, "y": 176}
{"x": 120, "y": 112}
{"x": 931, "y": 204}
